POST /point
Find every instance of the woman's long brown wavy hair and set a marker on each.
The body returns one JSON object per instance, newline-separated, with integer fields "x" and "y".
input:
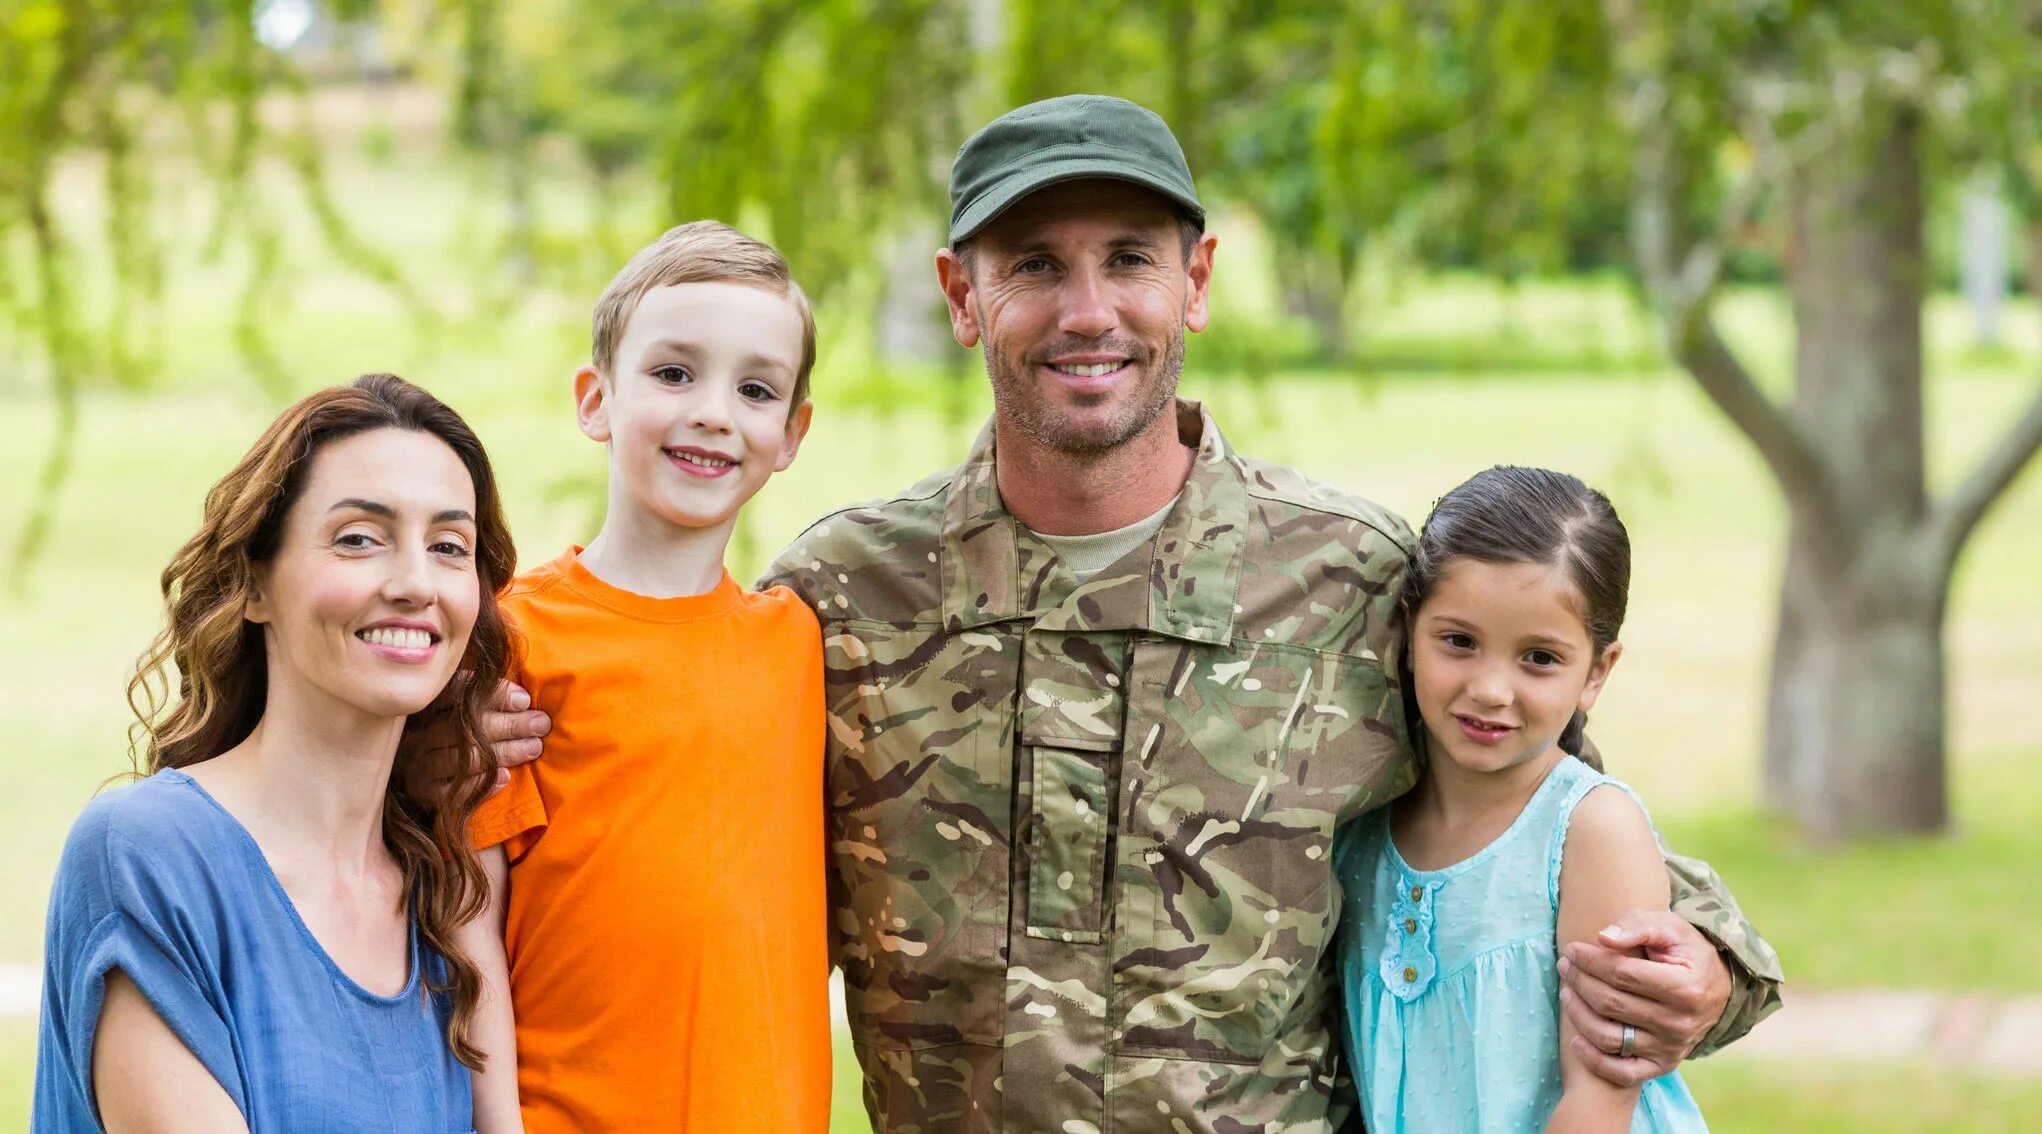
{"x": 216, "y": 658}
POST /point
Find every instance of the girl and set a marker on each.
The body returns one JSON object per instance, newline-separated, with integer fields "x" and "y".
{"x": 260, "y": 935}
{"x": 1460, "y": 894}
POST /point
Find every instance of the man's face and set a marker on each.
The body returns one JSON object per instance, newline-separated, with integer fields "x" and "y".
{"x": 1081, "y": 293}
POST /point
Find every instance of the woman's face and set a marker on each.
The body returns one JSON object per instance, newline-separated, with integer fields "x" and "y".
{"x": 372, "y": 593}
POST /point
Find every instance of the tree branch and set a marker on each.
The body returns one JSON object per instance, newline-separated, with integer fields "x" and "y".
{"x": 1952, "y": 521}
{"x": 1722, "y": 376}
{"x": 1683, "y": 282}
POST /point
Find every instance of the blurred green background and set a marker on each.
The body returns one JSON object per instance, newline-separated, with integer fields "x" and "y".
{"x": 1436, "y": 254}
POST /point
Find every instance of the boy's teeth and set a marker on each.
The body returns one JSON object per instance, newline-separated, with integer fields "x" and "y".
{"x": 706, "y": 462}
{"x": 1088, "y": 371}
{"x": 399, "y": 638}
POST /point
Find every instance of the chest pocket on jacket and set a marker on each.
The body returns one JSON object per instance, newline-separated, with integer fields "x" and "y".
{"x": 1073, "y": 704}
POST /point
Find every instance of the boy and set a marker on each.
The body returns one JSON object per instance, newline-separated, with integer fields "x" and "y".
{"x": 664, "y": 921}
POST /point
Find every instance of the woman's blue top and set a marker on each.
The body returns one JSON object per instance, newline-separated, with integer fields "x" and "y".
{"x": 1452, "y": 998}
{"x": 159, "y": 881}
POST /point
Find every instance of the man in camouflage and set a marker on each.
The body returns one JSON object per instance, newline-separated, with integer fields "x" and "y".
{"x": 1099, "y": 696}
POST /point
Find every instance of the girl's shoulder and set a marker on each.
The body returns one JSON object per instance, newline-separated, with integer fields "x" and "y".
{"x": 1596, "y": 797}
{"x": 1607, "y": 814}
{"x": 1600, "y": 820}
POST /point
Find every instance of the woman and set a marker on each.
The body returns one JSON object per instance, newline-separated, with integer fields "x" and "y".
{"x": 260, "y": 934}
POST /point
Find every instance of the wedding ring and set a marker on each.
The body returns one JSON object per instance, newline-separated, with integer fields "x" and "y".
{"x": 1630, "y": 1045}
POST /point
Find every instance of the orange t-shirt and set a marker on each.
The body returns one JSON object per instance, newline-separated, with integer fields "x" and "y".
{"x": 666, "y": 926}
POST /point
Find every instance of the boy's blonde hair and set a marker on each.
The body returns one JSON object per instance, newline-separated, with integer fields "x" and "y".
{"x": 698, "y": 252}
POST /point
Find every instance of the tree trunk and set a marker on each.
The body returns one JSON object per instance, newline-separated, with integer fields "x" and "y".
{"x": 1316, "y": 288}
{"x": 1790, "y": 714}
{"x": 1856, "y": 738}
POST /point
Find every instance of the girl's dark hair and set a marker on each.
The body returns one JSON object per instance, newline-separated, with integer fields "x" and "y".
{"x": 1518, "y": 515}
{"x": 214, "y": 657}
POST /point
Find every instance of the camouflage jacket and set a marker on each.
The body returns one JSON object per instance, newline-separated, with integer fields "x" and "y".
{"x": 1081, "y": 833}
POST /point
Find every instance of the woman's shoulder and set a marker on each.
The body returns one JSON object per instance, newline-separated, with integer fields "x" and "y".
{"x": 166, "y": 804}
{"x": 161, "y": 828}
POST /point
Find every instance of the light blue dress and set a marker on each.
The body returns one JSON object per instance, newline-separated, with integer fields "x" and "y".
{"x": 1451, "y": 996}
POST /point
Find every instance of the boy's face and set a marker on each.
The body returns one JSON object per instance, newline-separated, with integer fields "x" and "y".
{"x": 697, "y": 415}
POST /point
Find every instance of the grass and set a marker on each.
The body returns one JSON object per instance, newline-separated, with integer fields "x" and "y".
{"x": 1462, "y": 374}
{"x": 17, "y": 1074}
{"x": 1746, "y": 1097}
{"x": 1830, "y": 910}
{"x": 1738, "y": 1097}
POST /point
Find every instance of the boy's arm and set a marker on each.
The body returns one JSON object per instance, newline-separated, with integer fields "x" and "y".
{"x": 1610, "y": 865}
{"x": 493, "y": 1028}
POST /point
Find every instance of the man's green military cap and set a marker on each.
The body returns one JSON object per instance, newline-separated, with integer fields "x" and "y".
{"x": 1065, "y": 139}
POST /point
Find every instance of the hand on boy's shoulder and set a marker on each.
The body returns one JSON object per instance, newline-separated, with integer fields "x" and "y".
{"x": 511, "y": 727}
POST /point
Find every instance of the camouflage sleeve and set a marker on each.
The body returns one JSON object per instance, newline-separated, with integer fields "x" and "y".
{"x": 1701, "y": 897}
{"x": 780, "y": 573}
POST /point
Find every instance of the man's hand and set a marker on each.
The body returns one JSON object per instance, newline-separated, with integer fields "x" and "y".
{"x": 513, "y": 728}
{"x": 510, "y": 725}
{"x": 1673, "y": 995}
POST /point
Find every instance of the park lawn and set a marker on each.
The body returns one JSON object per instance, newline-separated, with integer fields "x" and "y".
{"x": 1955, "y": 913}
{"x": 17, "y": 1074}
{"x": 1747, "y": 1097}
{"x": 1737, "y": 1096}
{"x": 1743, "y": 1096}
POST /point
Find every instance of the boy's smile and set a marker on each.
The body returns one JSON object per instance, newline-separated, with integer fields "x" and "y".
{"x": 702, "y": 462}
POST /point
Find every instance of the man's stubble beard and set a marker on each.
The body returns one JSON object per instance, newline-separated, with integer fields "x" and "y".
{"x": 1018, "y": 400}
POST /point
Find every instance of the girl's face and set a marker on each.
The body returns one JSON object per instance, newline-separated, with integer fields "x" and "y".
{"x": 372, "y": 593}
{"x": 1501, "y": 659}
